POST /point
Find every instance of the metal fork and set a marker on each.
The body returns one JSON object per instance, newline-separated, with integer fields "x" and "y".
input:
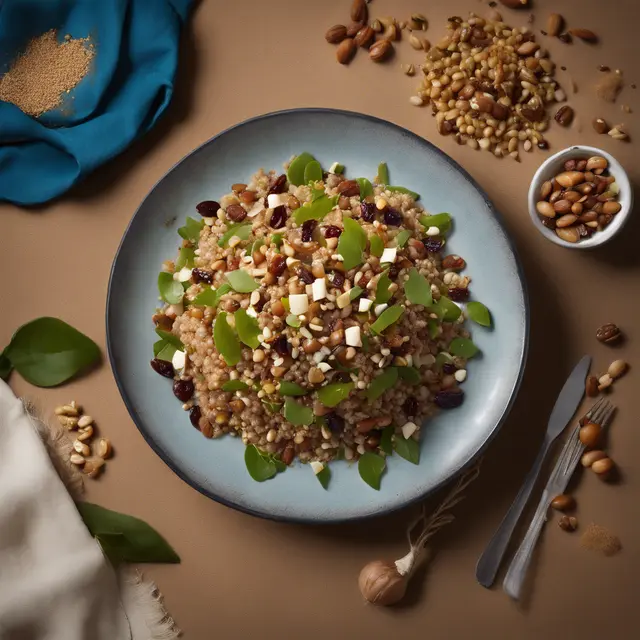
{"x": 572, "y": 451}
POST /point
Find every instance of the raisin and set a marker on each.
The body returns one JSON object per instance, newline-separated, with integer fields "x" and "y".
{"x": 281, "y": 346}
{"x": 410, "y": 407}
{"x": 304, "y": 274}
{"x": 337, "y": 279}
{"x": 208, "y": 208}
{"x": 392, "y": 218}
{"x": 183, "y": 390}
{"x": 236, "y": 213}
{"x": 453, "y": 262}
{"x": 349, "y": 188}
{"x": 368, "y": 211}
{"x": 202, "y": 275}
{"x": 334, "y": 422}
{"x": 449, "y": 368}
{"x": 278, "y": 217}
{"x": 277, "y": 265}
{"x": 278, "y": 186}
{"x": 458, "y": 294}
{"x": 449, "y": 398}
{"x": 543, "y": 144}
{"x": 194, "y": 416}
{"x": 308, "y": 227}
{"x": 393, "y": 271}
{"x": 332, "y": 231}
{"x": 432, "y": 244}
{"x": 162, "y": 367}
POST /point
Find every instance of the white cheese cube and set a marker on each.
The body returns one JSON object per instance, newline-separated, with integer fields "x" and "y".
{"x": 408, "y": 430}
{"x": 319, "y": 289}
{"x": 352, "y": 336}
{"x": 389, "y": 255}
{"x": 298, "y": 303}
{"x": 365, "y": 305}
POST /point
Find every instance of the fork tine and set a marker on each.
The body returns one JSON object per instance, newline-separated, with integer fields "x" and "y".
{"x": 594, "y": 409}
{"x": 606, "y": 418}
{"x": 601, "y": 412}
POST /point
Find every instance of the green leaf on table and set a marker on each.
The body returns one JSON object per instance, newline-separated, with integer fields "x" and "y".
{"x": 402, "y": 237}
{"x": 383, "y": 295}
{"x": 463, "y": 348}
{"x": 191, "y": 230}
{"x": 479, "y": 313}
{"x": 446, "y": 309}
{"x": 409, "y": 374}
{"x": 382, "y": 383}
{"x": 124, "y": 538}
{"x": 226, "y": 341}
{"x": 5, "y": 367}
{"x": 376, "y": 246}
{"x": 170, "y": 290}
{"x": 315, "y": 210}
{"x": 297, "y": 414}
{"x": 383, "y": 173}
{"x": 332, "y": 395}
{"x": 354, "y": 293}
{"x": 408, "y": 449}
{"x": 418, "y": 289}
{"x": 186, "y": 258}
{"x": 287, "y": 388}
{"x": 366, "y": 188}
{"x": 312, "y": 172}
{"x": 210, "y": 297}
{"x": 371, "y": 467}
{"x": 413, "y": 194}
{"x": 352, "y": 243}
{"x": 260, "y": 466}
{"x": 440, "y": 220}
{"x": 235, "y": 385}
{"x": 241, "y": 281}
{"x": 47, "y": 352}
{"x": 242, "y": 230}
{"x": 247, "y": 328}
{"x": 387, "y": 318}
{"x": 324, "y": 476}
{"x": 295, "y": 172}
{"x": 386, "y": 440}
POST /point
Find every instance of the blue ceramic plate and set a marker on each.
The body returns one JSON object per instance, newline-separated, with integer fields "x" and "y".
{"x": 216, "y": 467}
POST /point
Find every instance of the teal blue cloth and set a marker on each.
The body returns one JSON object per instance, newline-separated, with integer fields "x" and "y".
{"x": 128, "y": 87}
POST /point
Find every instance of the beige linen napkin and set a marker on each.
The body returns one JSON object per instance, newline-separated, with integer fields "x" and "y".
{"x": 55, "y": 583}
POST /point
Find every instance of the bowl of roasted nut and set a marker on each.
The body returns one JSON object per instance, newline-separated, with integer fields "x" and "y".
{"x": 580, "y": 197}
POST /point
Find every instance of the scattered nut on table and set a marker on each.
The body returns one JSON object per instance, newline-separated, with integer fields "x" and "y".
{"x": 563, "y": 502}
{"x": 608, "y": 333}
{"x": 568, "y": 523}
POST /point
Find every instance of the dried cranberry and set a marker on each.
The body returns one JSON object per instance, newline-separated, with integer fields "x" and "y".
{"x": 304, "y": 274}
{"x": 449, "y": 368}
{"x": 449, "y": 398}
{"x": 308, "y": 227}
{"x": 279, "y": 185}
{"x": 394, "y": 270}
{"x": 281, "y": 346}
{"x": 194, "y": 416}
{"x": 335, "y": 422}
{"x": 162, "y": 367}
{"x": 183, "y": 389}
{"x": 332, "y": 231}
{"x": 458, "y": 294}
{"x": 202, "y": 275}
{"x": 392, "y": 218}
{"x": 337, "y": 279}
{"x": 368, "y": 211}
{"x": 208, "y": 208}
{"x": 432, "y": 244}
{"x": 278, "y": 217}
{"x": 410, "y": 407}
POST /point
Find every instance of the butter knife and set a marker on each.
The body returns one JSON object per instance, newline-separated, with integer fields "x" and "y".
{"x": 563, "y": 410}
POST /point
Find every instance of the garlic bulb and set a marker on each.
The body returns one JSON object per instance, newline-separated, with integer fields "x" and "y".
{"x": 381, "y": 583}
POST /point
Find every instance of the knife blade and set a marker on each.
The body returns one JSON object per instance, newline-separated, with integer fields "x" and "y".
{"x": 564, "y": 408}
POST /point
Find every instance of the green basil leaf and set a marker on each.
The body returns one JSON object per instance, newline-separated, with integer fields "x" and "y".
{"x": 287, "y": 388}
{"x": 365, "y": 342}
{"x": 47, "y": 352}
{"x": 338, "y": 168}
{"x": 332, "y": 395}
{"x": 371, "y": 468}
{"x": 293, "y": 321}
{"x": 376, "y": 246}
{"x": 446, "y": 309}
{"x": 296, "y": 413}
{"x": 383, "y": 295}
{"x": 247, "y": 328}
{"x": 312, "y": 172}
{"x": 285, "y": 304}
{"x": 413, "y": 194}
{"x": 158, "y": 346}
{"x": 316, "y": 193}
{"x": 254, "y": 246}
{"x": 434, "y": 328}
{"x": 191, "y": 230}
{"x": 259, "y": 466}
{"x": 167, "y": 352}
{"x": 210, "y": 297}
{"x": 315, "y": 210}
{"x": 225, "y": 340}
{"x": 366, "y": 188}
{"x": 324, "y": 476}
{"x": 383, "y": 173}
{"x": 241, "y": 281}
{"x": 479, "y": 313}
{"x": 382, "y": 383}
{"x": 272, "y": 407}
{"x": 295, "y": 172}
{"x": 280, "y": 466}
{"x": 402, "y": 237}
{"x": 418, "y": 289}
{"x": 440, "y": 220}
{"x": 235, "y": 385}
{"x": 242, "y": 230}
{"x": 276, "y": 239}
{"x": 186, "y": 258}
{"x": 171, "y": 290}
{"x": 386, "y": 440}
{"x": 170, "y": 338}
{"x": 352, "y": 243}
{"x": 387, "y": 318}
{"x": 125, "y": 538}
{"x": 408, "y": 449}
{"x": 409, "y": 374}
{"x": 441, "y": 359}
{"x": 463, "y": 347}
{"x": 355, "y": 292}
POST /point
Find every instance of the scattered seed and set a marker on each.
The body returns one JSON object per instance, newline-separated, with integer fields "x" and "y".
{"x": 600, "y": 125}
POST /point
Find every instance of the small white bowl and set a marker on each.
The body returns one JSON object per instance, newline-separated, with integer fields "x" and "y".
{"x": 554, "y": 165}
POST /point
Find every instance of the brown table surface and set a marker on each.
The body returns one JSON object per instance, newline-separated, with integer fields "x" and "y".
{"x": 243, "y": 577}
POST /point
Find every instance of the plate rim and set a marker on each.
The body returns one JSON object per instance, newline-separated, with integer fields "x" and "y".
{"x": 360, "y": 517}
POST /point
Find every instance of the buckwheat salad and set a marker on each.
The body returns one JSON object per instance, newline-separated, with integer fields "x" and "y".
{"x": 316, "y": 317}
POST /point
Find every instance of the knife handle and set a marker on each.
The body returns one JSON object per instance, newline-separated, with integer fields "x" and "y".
{"x": 490, "y": 560}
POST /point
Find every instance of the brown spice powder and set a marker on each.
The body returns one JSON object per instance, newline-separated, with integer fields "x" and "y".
{"x": 597, "y": 538}
{"x": 38, "y": 79}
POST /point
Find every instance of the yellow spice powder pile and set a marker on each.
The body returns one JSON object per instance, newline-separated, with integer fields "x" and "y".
{"x": 38, "y": 79}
